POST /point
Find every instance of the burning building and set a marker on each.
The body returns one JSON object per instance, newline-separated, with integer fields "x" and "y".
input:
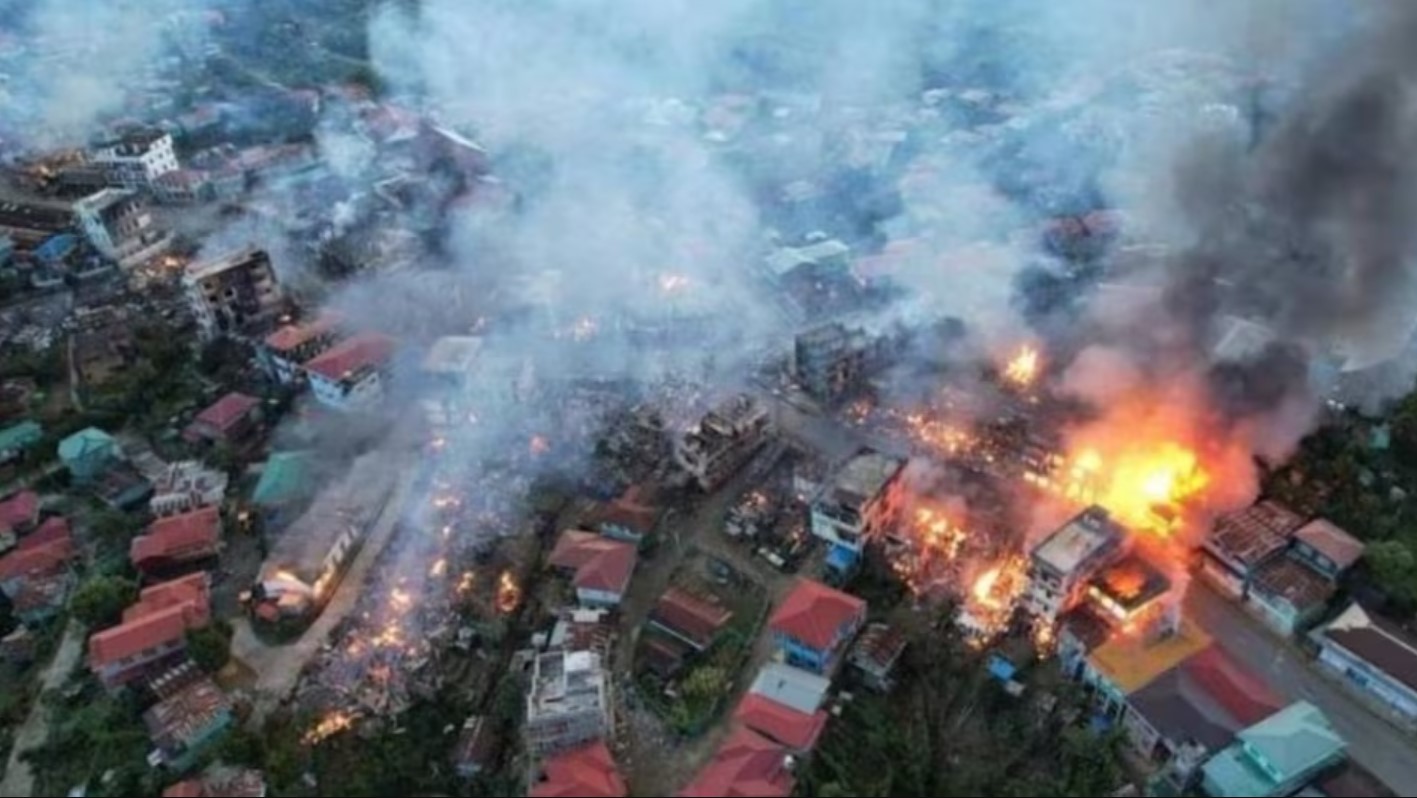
{"x": 724, "y": 441}
{"x": 569, "y": 702}
{"x": 306, "y": 563}
{"x": 1061, "y": 565}
{"x": 859, "y": 503}
{"x": 1128, "y": 591}
{"x": 233, "y": 295}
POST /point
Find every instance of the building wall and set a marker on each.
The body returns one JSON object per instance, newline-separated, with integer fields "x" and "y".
{"x": 597, "y": 598}
{"x": 1144, "y": 737}
{"x": 804, "y": 656}
{"x": 362, "y": 393}
{"x": 1316, "y": 560}
{"x": 1222, "y": 577}
{"x": 124, "y": 671}
{"x": 1364, "y": 678}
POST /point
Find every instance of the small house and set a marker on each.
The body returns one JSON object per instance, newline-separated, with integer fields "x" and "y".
{"x": 88, "y": 453}
{"x": 814, "y": 623}
{"x": 178, "y": 543}
{"x": 153, "y": 632}
{"x": 230, "y": 421}
{"x": 1242, "y": 541}
{"x": 1374, "y": 657}
{"x": 1288, "y": 595}
{"x": 695, "y": 621}
{"x": 1326, "y": 549}
{"x": 191, "y": 716}
{"x": 600, "y": 568}
{"x": 286, "y": 482}
{"x": 1276, "y": 756}
{"x": 875, "y": 655}
{"x": 587, "y": 771}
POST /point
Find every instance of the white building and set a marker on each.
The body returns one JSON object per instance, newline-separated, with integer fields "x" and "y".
{"x": 1061, "y": 565}
{"x": 233, "y": 295}
{"x": 350, "y": 375}
{"x": 569, "y": 702}
{"x": 187, "y": 486}
{"x": 449, "y": 369}
{"x": 138, "y": 161}
{"x": 859, "y": 501}
{"x": 285, "y": 352}
{"x": 119, "y": 224}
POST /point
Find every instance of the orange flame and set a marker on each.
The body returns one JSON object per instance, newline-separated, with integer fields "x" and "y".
{"x": 509, "y": 594}
{"x": 1023, "y": 368}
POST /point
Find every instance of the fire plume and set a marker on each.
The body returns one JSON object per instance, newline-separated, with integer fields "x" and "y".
{"x": 329, "y": 726}
{"x": 509, "y": 593}
{"x": 1022, "y": 369}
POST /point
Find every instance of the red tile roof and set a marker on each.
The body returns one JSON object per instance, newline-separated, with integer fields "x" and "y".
{"x": 352, "y": 356}
{"x": 637, "y": 518}
{"x": 747, "y": 765}
{"x": 585, "y": 772}
{"x": 796, "y": 730}
{"x": 1329, "y": 540}
{"x": 19, "y": 510}
{"x": 190, "y": 536}
{"x": 293, "y": 336}
{"x": 42, "y": 559}
{"x": 54, "y": 528}
{"x": 186, "y": 789}
{"x": 813, "y": 613}
{"x": 688, "y": 615}
{"x": 164, "y": 613}
{"x": 228, "y": 411}
{"x": 599, "y": 562}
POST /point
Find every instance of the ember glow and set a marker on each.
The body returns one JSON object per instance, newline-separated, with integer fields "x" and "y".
{"x": 439, "y": 568}
{"x": 509, "y": 593}
{"x": 1022, "y": 369}
{"x": 329, "y": 726}
{"x": 673, "y": 283}
{"x": 539, "y": 445}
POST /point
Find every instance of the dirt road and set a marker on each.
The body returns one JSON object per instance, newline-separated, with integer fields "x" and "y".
{"x": 19, "y": 780}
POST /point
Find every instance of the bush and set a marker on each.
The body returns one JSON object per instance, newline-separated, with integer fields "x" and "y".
{"x": 100, "y": 601}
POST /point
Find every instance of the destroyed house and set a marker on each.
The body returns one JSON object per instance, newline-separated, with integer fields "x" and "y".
{"x": 1127, "y": 588}
{"x": 569, "y": 702}
{"x": 307, "y": 561}
{"x": 814, "y": 623}
{"x": 600, "y": 567}
{"x": 153, "y": 632}
{"x": 177, "y": 543}
{"x": 233, "y": 295}
{"x": 723, "y": 441}
{"x": 119, "y": 224}
{"x": 875, "y": 655}
{"x": 689, "y": 618}
{"x": 860, "y": 502}
{"x": 191, "y": 716}
{"x": 1375, "y": 657}
{"x": 587, "y": 771}
{"x": 350, "y": 375}
{"x": 19, "y": 513}
{"x": 831, "y": 362}
{"x": 450, "y": 373}
{"x": 30, "y": 224}
{"x": 285, "y": 352}
{"x": 1242, "y": 541}
{"x": 1061, "y": 564}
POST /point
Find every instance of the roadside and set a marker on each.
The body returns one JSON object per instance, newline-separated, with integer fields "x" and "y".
{"x": 19, "y": 779}
{"x": 1373, "y": 742}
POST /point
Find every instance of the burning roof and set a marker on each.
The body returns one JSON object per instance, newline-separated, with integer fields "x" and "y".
{"x": 1128, "y": 586}
{"x": 1083, "y": 539}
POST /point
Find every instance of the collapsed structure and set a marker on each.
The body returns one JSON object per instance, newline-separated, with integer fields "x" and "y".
{"x": 724, "y": 441}
{"x": 237, "y": 294}
{"x": 569, "y": 702}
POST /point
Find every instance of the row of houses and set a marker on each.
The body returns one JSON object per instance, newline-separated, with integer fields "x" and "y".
{"x": 37, "y": 569}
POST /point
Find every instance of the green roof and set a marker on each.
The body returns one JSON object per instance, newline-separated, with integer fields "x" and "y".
{"x": 1271, "y": 755}
{"x": 85, "y": 442}
{"x": 21, "y": 436}
{"x": 285, "y": 478}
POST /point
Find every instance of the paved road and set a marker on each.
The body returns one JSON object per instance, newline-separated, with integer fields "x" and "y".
{"x": 19, "y": 780}
{"x": 1372, "y": 742}
{"x": 278, "y": 668}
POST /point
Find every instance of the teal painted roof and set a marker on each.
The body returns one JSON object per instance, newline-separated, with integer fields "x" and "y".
{"x": 20, "y": 436}
{"x": 285, "y": 478}
{"x": 1295, "y": 741}
{"x": 85, "y": 442}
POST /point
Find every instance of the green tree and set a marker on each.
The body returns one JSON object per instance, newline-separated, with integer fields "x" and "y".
{"x": 114, "y": 527}
{"x": 100, "y": 601}
{"x": 1394, "y": 568}
{"x": 210, "y": 647}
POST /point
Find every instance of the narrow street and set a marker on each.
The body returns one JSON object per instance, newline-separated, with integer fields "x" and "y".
{"x": 278, "y": 668}
{"x": 19, "y": 780}
{"x": 1372, "y": 742}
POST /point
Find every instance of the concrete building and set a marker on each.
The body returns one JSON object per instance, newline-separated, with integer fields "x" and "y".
{"x": 814, "y": 624}
{"x": 137, "y": 161}
{"x": 350, "y": 375}
{"x": 119, "y": 224}
{"x": 860, "y": 502}
{"x": 285, "y": 352}
{"x": 1242, "y": 541}
{"x": 1062, "y": 564}
{"x": 831, "y": 362}
{"x": 569, "y": 702}
{"x": 185, "y": 486}
{"x": 233, "y": 295}
{"x": 1375, "y": 657}
{"x": 724, "y": 441}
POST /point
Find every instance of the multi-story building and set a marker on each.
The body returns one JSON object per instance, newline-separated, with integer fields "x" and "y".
{"x": 119, "y": 224}
{"x": 137, "y": 161}
{"x": 1062, "y": 564}
{"x": 569, "y": 702}
{"x": 814, "y": 624}
{"x": 833, "y": 361}
{"x": 860, "y": 502}
{"x": 233, "y": 295}
{"x": 285, "y": 352}
{"x": 153, "y": 633}
{"x": 350, "y": 375}
{"x": 185, "y": 486}
{"x": 724, "y": 441}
